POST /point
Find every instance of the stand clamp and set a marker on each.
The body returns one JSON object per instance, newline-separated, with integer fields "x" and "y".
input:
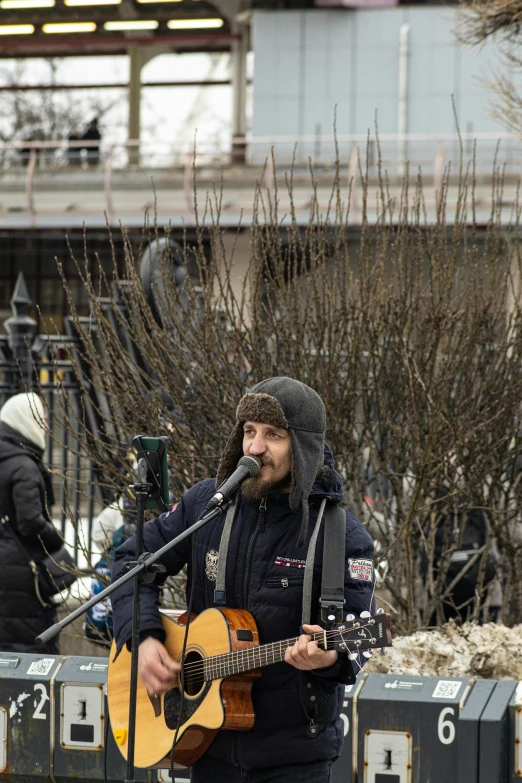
{"x": 148, "y": 574}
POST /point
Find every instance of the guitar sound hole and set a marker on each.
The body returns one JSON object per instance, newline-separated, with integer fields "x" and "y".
{"x": 194, "y": 680}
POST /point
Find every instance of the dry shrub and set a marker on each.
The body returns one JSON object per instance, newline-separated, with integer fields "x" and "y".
{"x": 412, "y": 337}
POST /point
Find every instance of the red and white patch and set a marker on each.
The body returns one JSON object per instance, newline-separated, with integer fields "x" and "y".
{"x": 174, "y": 507}
{"x": 361, "y": 569}
{"x": 289, "y": 562}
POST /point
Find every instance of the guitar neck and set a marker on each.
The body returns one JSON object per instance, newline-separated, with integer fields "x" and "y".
{"x": 241, "y": 661}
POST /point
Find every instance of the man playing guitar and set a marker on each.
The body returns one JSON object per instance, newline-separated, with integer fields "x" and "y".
{"x": 297, "y": 731}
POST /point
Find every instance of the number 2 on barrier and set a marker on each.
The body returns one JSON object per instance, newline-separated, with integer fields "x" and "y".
{"x": 446, "y": 728}
{"x": 38, "y": 714}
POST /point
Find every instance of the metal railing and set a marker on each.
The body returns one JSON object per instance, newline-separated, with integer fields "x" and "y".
{"x": 113, "y": 166}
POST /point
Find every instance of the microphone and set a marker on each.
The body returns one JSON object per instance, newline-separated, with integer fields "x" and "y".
{"x": 247, "y": 467}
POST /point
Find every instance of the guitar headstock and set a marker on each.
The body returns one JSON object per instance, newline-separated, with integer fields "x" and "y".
{"x": 365, "y": 633}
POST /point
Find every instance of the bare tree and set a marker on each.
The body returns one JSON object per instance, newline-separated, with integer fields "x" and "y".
{"x": 413, "y": 338}
{"x": 499, "y": 20}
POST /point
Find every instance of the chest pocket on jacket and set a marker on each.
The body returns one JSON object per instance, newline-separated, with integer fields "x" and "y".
{"x": 284, "y": 581}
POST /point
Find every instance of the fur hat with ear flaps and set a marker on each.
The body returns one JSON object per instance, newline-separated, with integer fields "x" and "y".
{"x": 283, "y": 402}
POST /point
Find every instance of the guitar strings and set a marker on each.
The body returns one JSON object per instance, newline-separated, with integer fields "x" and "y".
{"x": 319, "y": 634}
{"x": 194, "y": 670}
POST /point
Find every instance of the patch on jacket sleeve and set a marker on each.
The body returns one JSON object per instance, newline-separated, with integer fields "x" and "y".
{"x": 361, "y": 569}
{"x": 289, "y": 562}
{"x": 211, "y": 564}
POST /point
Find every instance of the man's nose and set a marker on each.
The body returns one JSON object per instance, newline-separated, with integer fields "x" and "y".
{"x": 258, "y": 445}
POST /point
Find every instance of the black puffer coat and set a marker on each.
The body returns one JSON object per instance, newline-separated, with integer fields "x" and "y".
{"x": 25, "y": 497}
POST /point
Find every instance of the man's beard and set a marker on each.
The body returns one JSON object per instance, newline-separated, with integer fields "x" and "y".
{"x": 258, "y": 488}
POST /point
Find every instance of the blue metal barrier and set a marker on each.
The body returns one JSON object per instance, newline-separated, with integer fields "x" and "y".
{"x": 54, "y": 726}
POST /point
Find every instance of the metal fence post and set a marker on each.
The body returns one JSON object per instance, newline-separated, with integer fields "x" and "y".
{"x": 21, "y": 330}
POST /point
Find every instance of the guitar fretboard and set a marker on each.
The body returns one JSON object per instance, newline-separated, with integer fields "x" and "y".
{"x": 240, "y": 661}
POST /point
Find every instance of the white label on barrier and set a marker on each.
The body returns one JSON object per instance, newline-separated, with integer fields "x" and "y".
{"x": 403, "y": 685}
{"x": 83, "y": 715}
{"x": 387, "y": 753}
{"x": 9, "y": 663}
{"x": 446, "y": 689}
{"x": 93, "y": 667}
{"x": 3, "y": 739}
{"x": 42, "y": 667}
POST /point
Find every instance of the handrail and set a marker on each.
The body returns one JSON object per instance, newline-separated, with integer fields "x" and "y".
{"x": 252, "y": 140}
{"x": 432, "y": 152}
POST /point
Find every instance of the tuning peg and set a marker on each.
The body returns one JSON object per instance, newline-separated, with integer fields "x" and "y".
{"x": 383, "y": 650}
{"x": 353, "y": 656}
{"x": 367, "y": 653}
{"x": 380, "y": 610}
{"x": 365, "y": 615}
{"x": 331, "y": 617}
{"x": 350, "y": 618}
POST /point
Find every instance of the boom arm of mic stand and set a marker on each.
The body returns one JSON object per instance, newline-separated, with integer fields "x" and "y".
{"x": 150, "y": 559}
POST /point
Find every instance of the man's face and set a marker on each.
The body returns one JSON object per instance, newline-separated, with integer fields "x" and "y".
{"x": 273, "y": 446}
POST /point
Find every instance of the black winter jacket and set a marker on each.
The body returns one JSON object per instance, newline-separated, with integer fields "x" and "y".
{"x": 25, "y": 496}
{"x": 287, "y": 702}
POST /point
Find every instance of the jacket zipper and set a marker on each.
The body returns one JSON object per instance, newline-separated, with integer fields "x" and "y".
{"x": 259, "y": 524}
{"x": 283, "y": 581}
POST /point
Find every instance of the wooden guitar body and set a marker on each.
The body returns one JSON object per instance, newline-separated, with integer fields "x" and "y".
{"x": 208, "y": 706}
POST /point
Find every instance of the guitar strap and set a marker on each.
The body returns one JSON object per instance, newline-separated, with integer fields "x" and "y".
{"x": 332, "y": 582}
{"x": 308, "y": 580}
{"x": 220, "y": 593}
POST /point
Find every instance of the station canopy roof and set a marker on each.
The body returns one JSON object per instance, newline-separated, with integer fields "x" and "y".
{"x": 61, "y": 28}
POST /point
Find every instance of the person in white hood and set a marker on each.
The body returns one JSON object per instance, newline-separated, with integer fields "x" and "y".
{"x": 26, "y": 531}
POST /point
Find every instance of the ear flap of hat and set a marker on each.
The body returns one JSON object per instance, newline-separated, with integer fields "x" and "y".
{"x": 231, "y": 455}
{"x": 308, "y": 456}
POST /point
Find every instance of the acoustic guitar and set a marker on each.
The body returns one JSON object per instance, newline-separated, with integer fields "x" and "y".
{"x": 223, "y": 658}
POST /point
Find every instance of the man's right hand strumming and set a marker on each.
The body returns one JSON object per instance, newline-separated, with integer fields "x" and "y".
{"x": 158, "y": 672}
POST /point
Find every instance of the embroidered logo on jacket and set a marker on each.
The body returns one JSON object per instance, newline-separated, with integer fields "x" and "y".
{"x": 289, "y": 562}
{"x": 361, "y": 569}
{"x": 211, "y": 564}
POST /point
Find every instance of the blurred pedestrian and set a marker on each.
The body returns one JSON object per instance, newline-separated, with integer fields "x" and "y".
{"x": 93, "y": 150}
{"x": 74, "y": 153}
{"x": 469, "y": 559}
{"x": 27, "y": 534}
{"x": 113, "y": 525}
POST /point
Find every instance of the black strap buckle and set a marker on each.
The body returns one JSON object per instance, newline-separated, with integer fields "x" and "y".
{"x": 332, "y": 611}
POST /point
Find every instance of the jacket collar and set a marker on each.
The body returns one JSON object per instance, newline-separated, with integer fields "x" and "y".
{"x": 16, "y": 439}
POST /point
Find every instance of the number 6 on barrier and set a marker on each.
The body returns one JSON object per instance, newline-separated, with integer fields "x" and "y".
{"x": 446, "y": 728}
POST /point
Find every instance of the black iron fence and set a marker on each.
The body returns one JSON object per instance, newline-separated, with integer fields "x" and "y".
{"x": 44, "y": 364}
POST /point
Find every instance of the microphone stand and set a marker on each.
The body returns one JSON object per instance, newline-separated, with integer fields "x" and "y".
{"x": 144, "y": 569}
